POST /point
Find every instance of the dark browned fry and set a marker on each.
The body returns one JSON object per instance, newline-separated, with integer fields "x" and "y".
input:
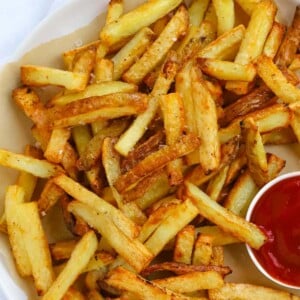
{"x": 259, "y": 98}
{"x": 291, "y": 41}
{"x": 181, "y": 268}
{"x": 157, "y": 160}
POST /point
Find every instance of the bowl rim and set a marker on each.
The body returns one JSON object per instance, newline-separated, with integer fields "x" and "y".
{"x": 251, "y": 207}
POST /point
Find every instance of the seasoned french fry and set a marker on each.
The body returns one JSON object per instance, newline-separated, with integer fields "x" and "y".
{"x": 225, "y": 15}
{"x": 40, "y": 76}
{"x": 229, "y": 222}
{"x": 184, "y": 245}
{"x": 131, "y": 22}
{"x": 203, "y": 250}
{"x": 156, "y": 52}
{"x": 276, "y": 81}
{"x": 80, "y": 257}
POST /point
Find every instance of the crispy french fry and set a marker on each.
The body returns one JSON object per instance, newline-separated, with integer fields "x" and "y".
{"x": 80, "y": 257}
{"x": 216, "y": 184}
{"x": 104, "y": 71}
{"x": 191, "y": 282}
{"x": 40, "y": 76}
{"x": 225, "y": 15}
{"x": 225, "y": 46}
{"x": 276, "y": 81}
{"x": 184, "y": 245}
{"x": 84, "y": 62}
{"x": 156, "y": 52}
{"x": 131, "y": 22}
{"x": 229, "y": 222}
{"x": 203, "y": 250}
{"x": 62, "y": 250}
{"x": 247, "y": 291}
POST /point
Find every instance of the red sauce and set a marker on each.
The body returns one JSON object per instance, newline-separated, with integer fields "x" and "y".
{"x": 278, "y": 214}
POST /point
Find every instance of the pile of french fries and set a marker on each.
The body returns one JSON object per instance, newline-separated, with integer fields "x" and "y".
{"x": 153, "y": 148}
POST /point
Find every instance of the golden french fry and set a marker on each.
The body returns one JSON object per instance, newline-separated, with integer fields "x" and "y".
{"x": 229, "y": 222}
{"x": 202, "y": 250}
{"x": 191, "y": 282}
{"x": 156, "y": 51}
{"x": 248, "y": 5}
{"x": 276, "y": 81}
{"x": 225, "y": 15}
{"x": 40, "y": 76}
{"x": 184, "y": 245}
{"x": 196, "y": 11}
{"x": 84, "y": 62}
{"x": 216, "y": 184}
{"x": 131, "y": 22}
{"x": 104, "y": 71}
{"x": 62, "y": 250}
{"x": 80, "y": 257}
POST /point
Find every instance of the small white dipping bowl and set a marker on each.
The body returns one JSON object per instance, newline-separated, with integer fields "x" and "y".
{"x": 253, "y": 204}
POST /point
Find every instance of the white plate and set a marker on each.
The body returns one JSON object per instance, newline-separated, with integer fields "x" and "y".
{"x": 14, "y": 128}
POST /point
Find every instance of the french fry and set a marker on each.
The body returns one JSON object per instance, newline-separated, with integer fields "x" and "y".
{"x": 72, "y": 293}
{"x": 216, "y": 184}
{"x": 99, "y": 89}
{"x": 184, "y": 245}
{"x": 156, "y": 161}
{"x": 225, "y": 46}
{"x": 202, "y": 250}
{"x": 173, "y": 116}
{"x": 133, "y": 251}
{"x": 127, "y": 55}
{"x": 40, "y": 76}
{"x": 156, "y": 52}
{"x": 248, "y": 5}
{"x": 191, "y": 282}
{"x": 279, "y": 136}
{"x": 36, "y": 246}
{"x": 226, "y": 70}
{"x": 56, "y": 145}
{"x": 85, "y": 196}
{"x": 105, "y": 70}
{"x": 274, "y": 40}
{"x": 84, "y": 62}
{"x": 225, "y": 15}
{"x": 229, "y": 222}
{"x": 276, "y": 81}
{"x": 196, "y": 11}
{"x": 290, "y": 43}
{"x": 260, "y": 24}
{"x": 115, "y": 9}
{"x": 131, "y": 22}
{"x": 14, "y": 196}
{"x": 62, "y": 250}
{"x": 80, "y": 257}
{"x": 248, "y": 291}
{"x": 37, "y": 167}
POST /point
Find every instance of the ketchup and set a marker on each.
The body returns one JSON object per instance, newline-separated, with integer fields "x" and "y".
{"x": 277, "y": 213}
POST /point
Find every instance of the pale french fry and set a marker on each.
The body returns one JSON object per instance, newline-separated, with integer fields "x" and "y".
{"x": 56, "y": 145}
{"x": 173, "y": 116}
{"x": 202, "y": 250}
{"x": 14, "y": 196}
{"x": 225, "y": 46}
{"x": 133, "y": 251}
{"x": 276, "y": 81}
{"x": 127, "y": 55}
{"x": 184, "y": 245}
{"x": 115, "y": 9}
{"x": 85, "y": 196}
{"x": 40, "y": 76}
{"x": 219, "y": 237}
{"x": 37, "y": 167}
{"x": 206, "y": 123}
{"x": 225, "y": 15}
{"x": 80, "y": 257}
{"x": 171, "y": 226}
{"x": 93, "y": 90}
{"x": 260, "y": 24}
{"x": 229, "y": 222}
{"x": 155, "y": 161}
{"x": 274, "y": 40}
{"x": 36, "y": 246}
{"x": 131, "y": 22}
{"x": 255, "y": 152}
{"x": 210, "y": 18}
{"x": 99, "y": 261}
{"x": 159, "y": 48}
{"x": 290, "y": 43}
{"x": 226, "y": 70}
{"x": 163, "y": 82}
{"x": 245, "y": 291}
{"x": 191, "y": 282}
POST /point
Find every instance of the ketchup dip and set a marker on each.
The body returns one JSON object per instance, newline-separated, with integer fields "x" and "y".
{"x": 277, "y": 213}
